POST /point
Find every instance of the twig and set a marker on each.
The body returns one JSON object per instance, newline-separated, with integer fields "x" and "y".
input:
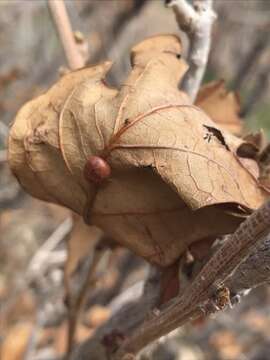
{"x": 213, "y": 275}
{"x": 57, "y": 258}
{"x": 196, "y": 21}
{"x": 59, "y": 13}
{"x": 38, "y": 264}
{"x": 34, "y": 337}
{"x": 122, "y": 264}
{"x": 253, "y": 272}
{"x": 76, "y": 301}
{"x": 138, "y": 301}
{"x": 39, "y": 260}
{"x": 130, "y": 308}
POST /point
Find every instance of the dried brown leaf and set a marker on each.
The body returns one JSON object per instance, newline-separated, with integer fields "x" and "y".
{"x": 173, "y": 168}
{"x": 34, "y": 153}
{"x": 221, "y": 105}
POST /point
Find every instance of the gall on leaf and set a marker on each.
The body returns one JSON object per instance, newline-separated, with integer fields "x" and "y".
{"x": 96, "y": 170}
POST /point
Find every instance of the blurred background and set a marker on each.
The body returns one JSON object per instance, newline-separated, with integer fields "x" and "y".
{"x": 30, "y": 58}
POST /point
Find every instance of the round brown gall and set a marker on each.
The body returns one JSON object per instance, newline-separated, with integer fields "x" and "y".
{"x": 96, "y": 169}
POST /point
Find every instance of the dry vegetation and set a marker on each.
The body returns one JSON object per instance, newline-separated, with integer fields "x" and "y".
{"x": 63, "y": 280}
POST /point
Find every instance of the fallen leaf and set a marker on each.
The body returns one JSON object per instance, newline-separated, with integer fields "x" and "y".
{"x": 221, "y": 105}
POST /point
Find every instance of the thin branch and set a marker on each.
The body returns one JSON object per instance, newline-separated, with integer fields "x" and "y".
{"x": 122, "y": 263}
{"x": 196, "y": 21}
{"x": 253, "y": 272}
{"x": 139, "y": 300}
{"x": 32, "y": 343}
{"x": 61, "y": 20}
{"x": 213, "y": 275}
{"x": 42, "y": 256}
{"x": 130, "y": 308}
{"x": 75, "y": 302}
{"x": 128, "y": 311}
{"x": 38, "y": 264}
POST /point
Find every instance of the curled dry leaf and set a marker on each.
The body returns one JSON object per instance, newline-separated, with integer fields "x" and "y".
{"x": 256, "y": 147}
{"x": 172, "y": 168}
{"x": 34, "y": 152}
{"x": 221, "y": 105}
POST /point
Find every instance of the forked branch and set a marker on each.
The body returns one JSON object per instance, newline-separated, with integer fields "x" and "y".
{"x": 248, "y": 246}
{"x": 196, "y": 21}
{"x": 211, "y": 278}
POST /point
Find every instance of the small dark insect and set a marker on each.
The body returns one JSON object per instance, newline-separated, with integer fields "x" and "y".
{"x": 212, "y": 131}
{"x": 96, "y": 169}
{"x": 208, "y": 137}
